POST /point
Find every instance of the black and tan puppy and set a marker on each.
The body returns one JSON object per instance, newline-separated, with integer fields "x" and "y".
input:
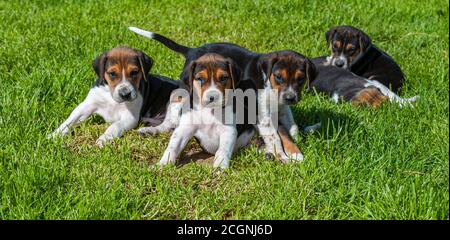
{"x": 286, "y": 72}
{"x": 210, "y": 76}
{"x": 343, "y": 85}
{"x": 123, "y": 94}
{"x": 353, "y": 49}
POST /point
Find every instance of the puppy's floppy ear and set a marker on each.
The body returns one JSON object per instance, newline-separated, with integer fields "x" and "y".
{"x": 188, "y": 76}
{"x": 235, "y": 73}
{"x": 364, "y": 40}
{"x": 311, "y": 72}
{"x": 146, "y": 63}
{"x": 99, "y": 65}
{"x": 265, "y": 65}
{"x": 329, "y": 35}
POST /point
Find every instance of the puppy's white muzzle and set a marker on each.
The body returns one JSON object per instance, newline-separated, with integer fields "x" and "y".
{"x": 124, "y": 91}
{"x": 212, "y": 98}
{"x": 340, "y": 61}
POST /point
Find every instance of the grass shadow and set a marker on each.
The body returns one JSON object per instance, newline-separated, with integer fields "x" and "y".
{"x": 333, "y": 122}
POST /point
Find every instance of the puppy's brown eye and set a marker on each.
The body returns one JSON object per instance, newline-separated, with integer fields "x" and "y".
{"x": 134, "y": 73}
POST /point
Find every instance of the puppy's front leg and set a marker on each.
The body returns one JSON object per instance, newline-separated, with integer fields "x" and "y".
{"x": 116, "y": 129}
{"x": 180, "y": 137}
{"x": 79, "y": 114}
{"x": 171, "y": 121}
{"x": 227, "y": 141}
{"x": 272, "y": 141}
{"x": 287, "y": 120}
{"x": 288, "y": 145}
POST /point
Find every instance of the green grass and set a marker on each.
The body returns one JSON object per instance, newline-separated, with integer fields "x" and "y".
{"x": 389, "y": 163}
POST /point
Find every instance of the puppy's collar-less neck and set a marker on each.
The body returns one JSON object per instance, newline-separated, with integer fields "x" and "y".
{"x": 364, "y": 60}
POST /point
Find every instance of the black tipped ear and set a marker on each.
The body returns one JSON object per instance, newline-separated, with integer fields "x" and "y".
{"x": 99, "y": 65}
{"x": 311, "y": 72}
{"x": 146, "y": 63}
{"x": 187, "y": 77}
{"x": 330, "y": 34}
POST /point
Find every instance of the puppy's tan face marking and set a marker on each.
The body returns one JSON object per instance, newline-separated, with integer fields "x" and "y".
{"x": 122, "y": 68}
{"x": 122, "y": 64}
{"x": 211, "y": 77}
{"x": 289, "y": 78}
{"x": 345, "y": 45}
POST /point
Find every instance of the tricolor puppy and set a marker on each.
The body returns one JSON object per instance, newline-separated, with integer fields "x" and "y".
{"x": 352, "y": 49}
{"x": 123, "y": 93}
{"x": 209, "y": 78}
{"x": 343, "y": 85}
{"x": 286, "y": 72}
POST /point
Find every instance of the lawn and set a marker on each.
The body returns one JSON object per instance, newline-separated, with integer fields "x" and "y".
{"x": 387, "y": 163}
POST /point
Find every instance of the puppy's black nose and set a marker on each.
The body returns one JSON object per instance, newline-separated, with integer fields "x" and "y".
{"x": 339, "y": 63}
{"x": 211, "y": 98}
{"x": 124, "y": 93}
{"x": 289, "y": 98}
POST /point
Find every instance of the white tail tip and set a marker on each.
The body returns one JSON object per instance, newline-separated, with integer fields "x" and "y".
{"x": 142, "y": 32}
{"x": 312, "y": 128}
{"x": 413, "y": 99}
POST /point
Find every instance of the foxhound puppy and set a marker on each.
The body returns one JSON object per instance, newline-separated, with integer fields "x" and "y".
{"x": 123, "y": 94}
{"x": 208, "y": 118}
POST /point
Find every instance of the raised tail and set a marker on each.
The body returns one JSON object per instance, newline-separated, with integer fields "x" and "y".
{"x": 167, "y": 42}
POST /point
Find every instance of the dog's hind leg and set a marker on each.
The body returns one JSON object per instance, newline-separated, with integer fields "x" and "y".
{"x": 390, "y": 94}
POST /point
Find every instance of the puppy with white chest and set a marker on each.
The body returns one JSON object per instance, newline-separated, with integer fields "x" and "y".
{"x": 123, "y": 94}
{"x": 209, "y": 78}
{"x": 286, "y": 72}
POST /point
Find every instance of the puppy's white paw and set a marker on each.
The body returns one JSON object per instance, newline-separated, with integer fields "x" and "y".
{"x": 220, "y": 164}
{"x": 100, "y": 143}
{"x": 57, "y": 134}
{"x": 296, "y": 157}
{"x": 284, "y": 157}
{"x": 146, "y": 131}
{"x": 53, "y": 135}
{"x": 103, "y": 140}
{"x": 294, "y": 132}
{"x": 413, "y": 99}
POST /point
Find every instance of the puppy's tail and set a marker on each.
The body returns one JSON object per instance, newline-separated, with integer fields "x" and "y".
{"x": 370, "y": 96}
{"x": 167, "y": 42}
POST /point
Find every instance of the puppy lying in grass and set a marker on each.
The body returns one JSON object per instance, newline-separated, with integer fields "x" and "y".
{"x": 123, "y": 94}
